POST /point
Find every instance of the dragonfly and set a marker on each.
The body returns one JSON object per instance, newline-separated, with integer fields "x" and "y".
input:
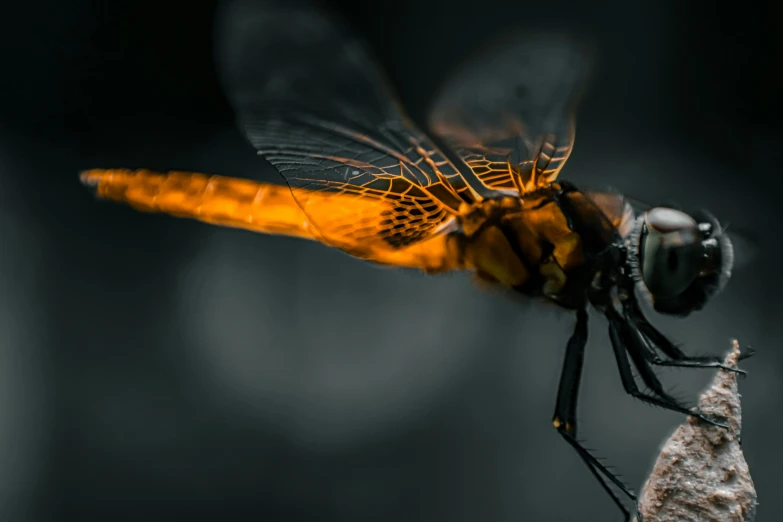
{"x": 480, "y": 192}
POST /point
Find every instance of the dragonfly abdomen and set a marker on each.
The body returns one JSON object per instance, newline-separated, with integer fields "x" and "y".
{"x": 219, "y": 200}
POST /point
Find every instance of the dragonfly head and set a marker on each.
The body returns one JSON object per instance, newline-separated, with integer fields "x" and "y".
{"x": 681, "y": 260}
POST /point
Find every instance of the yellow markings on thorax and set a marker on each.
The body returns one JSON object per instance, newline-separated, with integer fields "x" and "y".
{"x": 488, "y": 250}
{"x": 549, "y": 225}
{"x": 536, "y": 223}
{"x": 554, "y": 276}
{"x": 568, "y": 251}
{"x": 491, "y": 254}
{"x": 567, "y": 254}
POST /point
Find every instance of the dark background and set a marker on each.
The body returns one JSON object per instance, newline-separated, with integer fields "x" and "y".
{"x": 158, "y": 369}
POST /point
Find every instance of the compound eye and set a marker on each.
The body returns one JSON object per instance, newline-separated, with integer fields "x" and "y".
{"x": 665, "y": 220}
{"x": 671, "y": 252}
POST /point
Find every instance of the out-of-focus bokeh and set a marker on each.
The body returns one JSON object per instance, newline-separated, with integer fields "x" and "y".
{"x": 159, "y": 369}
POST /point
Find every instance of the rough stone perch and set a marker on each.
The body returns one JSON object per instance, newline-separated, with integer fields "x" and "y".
{"x": 701, "y": 474}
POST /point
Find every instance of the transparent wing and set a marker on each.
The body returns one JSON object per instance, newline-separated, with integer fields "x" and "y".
{"x": 509, "y": 111}
{"x": 312, "y": 102}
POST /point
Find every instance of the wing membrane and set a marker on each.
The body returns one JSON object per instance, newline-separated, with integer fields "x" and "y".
{"x": 313, "y": 104}
{"x": 509, "y": 111}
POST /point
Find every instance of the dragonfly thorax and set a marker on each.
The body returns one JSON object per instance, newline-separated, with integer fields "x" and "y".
{"x": 525, "y": 244}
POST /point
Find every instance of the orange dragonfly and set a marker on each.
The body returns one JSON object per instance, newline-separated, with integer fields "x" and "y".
{"x": 480, "y": 193}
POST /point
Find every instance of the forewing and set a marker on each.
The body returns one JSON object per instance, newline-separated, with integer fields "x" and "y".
{"x": 509, "y": 111}
{"x": 311, "y": 100}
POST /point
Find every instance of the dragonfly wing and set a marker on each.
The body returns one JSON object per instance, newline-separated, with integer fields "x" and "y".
{"x": 312, "y": 102}
{"x": 509, "y": 111}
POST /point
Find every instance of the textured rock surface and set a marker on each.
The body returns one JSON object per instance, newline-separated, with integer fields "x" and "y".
{"x": 701, "y": 474}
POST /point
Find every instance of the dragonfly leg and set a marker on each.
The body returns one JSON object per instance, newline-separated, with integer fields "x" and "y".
{"x": 626, "y": 340}
{"x": 679, "y": 358}
{"x": 564, "y": 419}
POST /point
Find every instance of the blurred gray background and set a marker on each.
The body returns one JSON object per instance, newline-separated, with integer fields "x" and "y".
{"x": 158, "y": 369}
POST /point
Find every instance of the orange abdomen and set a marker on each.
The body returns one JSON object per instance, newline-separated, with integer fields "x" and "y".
{"x": 233, "y": 202}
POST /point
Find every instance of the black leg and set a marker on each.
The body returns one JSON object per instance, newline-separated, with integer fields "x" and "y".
{"x": 565, "y": 411}
{"x": 679, "y": 358}
{"x": 626, "y": 340}
{"x": 571, "y": 375}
